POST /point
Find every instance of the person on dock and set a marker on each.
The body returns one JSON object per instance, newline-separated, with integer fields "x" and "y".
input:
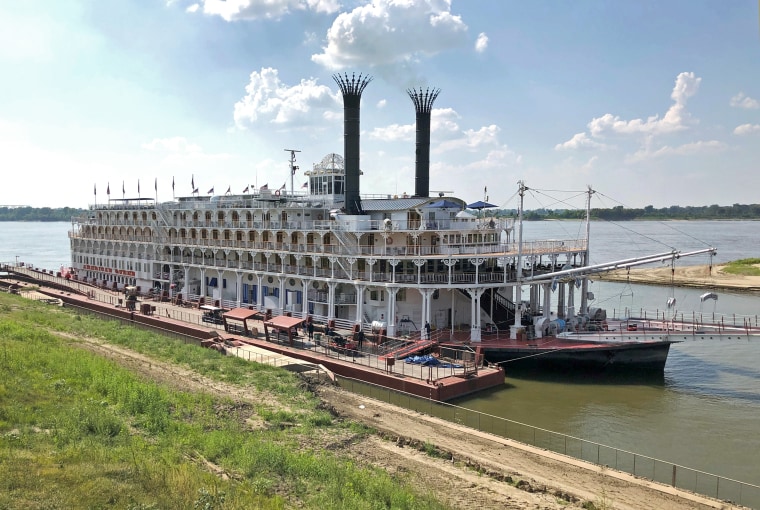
{"x": 310, "y": 329}
{"x": 427, "y": 330}
{"x": 360, "y": 338}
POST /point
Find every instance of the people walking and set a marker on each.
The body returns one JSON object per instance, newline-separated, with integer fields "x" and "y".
{"x": 310, "y": 329}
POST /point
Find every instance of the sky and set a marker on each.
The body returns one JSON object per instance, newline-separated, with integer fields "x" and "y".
{"x": 649, "y": 102}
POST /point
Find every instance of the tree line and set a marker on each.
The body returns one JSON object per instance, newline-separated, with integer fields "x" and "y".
{"x": 38, "y": 213}
{"x": 674, "y": 212}
{"x": 619, "y": 213}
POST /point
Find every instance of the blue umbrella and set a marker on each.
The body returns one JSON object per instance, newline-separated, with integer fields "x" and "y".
{"x": 445, "y": 204}
{"x": 480, "y": 205}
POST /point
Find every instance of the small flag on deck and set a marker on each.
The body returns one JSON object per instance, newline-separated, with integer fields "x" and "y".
{"x": 265, "y": 186}
{"x": 210, "y": 191}
{"x": 245, "y": 190}
{"x": 305, "y": 185}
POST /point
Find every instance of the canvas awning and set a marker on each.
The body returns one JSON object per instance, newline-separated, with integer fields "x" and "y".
{"x": 284, "y": 322}
{"x": 240, "y": 314}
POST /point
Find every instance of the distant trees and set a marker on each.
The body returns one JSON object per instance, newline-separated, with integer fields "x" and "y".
{"x": 619, "y": 213}
{"x": 38, "y": 214}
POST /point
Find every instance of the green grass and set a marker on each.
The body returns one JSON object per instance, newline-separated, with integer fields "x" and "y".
{"x": 79, "y": 431}
{"x": 743, "y": 267}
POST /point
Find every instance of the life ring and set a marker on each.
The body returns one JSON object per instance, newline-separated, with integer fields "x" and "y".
{"x": 277, "y": 193}
{"x": 389, "y": 241}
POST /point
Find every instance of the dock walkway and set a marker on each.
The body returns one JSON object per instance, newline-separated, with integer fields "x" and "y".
{"x": 368, "y": 363}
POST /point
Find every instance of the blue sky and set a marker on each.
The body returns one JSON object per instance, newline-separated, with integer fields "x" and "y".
{"x": 649, "y": 102}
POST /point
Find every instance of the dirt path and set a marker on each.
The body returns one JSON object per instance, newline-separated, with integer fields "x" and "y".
{"x": 471, "y": 470}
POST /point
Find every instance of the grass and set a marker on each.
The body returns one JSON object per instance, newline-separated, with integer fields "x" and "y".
{"x": 743, "y": 267}
{"x": 80, "y": 431}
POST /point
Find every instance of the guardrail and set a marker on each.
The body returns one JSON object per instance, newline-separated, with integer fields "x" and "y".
{"x": 657, "y": 470}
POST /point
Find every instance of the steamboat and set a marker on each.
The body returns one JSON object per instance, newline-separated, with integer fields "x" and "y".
{"x": 419, "y": 267}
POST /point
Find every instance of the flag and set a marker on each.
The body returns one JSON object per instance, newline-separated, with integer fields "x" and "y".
{"x": 245, "y": 190}
{"x": 155, "y": 185}
{"x": 95, "y": 189}
{"x": 305, "y": 185}
{"x": 195, "y": 190}
{"x": 172, "y": 184}
{"x": 282, "y": 187}
{"x": 264, "y": 187}
{"x": 209, "y": 192}
{"x": 122, "y": 188}
{"x": 229, "y": 190}
{"x": 108, "y": 189}
{"x": 138, "y": 186}
{"x": 192, "y": 182}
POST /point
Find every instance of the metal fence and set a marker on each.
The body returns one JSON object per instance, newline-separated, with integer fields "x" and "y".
{"x": 636, "y": 464}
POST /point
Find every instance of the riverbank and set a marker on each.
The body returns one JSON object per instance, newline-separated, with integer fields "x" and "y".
{"x": 701, "y": 277}
{"x": 465, "y": 468}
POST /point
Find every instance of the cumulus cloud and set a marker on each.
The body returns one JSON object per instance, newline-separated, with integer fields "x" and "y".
{"x": 740, "y": 100}
{"x": 746, "y": 129}
{"x": 391, "y": 33}
{"x": 675, "y": 119}
{"x": 268, "y": 99}
{"x": 233, "y": 10}
{"x": 481, "y": 43}
{"x": 193, "y": 8}
{"x": 580, "y": 141}
{"x": 472, "y": 139}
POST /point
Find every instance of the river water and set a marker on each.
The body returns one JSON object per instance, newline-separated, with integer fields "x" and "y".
{"x": 704, "y": 413}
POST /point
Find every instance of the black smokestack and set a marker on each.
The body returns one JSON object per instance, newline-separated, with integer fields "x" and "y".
{"x": 423, "y": 103}
{"x": 352, "y": 89}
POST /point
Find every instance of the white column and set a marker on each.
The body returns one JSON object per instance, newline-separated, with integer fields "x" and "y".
{"x": 239, "y": 283}
{"x": 260, "y": 292}
{"x": 391, "y": 320}
{"x": 305, "y": 299}
{"x": 282, "y": 295}
{"x": 331, "y": 300}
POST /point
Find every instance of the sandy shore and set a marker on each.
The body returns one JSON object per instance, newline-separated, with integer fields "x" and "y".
{"x": 703, "y": 277}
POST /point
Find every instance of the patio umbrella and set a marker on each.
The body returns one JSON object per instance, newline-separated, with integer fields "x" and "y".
{"x": 443, "y": 204}
{"x": 479, "y": 205}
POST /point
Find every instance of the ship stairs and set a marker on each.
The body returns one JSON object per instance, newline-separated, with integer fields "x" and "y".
{"x": 503, "y": 309}
{"x": 405, "y": 348}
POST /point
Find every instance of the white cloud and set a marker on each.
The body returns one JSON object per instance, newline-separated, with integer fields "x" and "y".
{"x": 740, "y": 100}
{"x": 687, "y": 149}
{"x": 382, "y": 104}
{"x": 589, "y": 165}
{"x": 482, "y": 42}
{"x": 268, "y": 99}
{"x": 393, "y": 133}
{"x": 580, "y": 141}
{"x": 675, "y": 119}
{"x": 391, "y": 33}
{"x": 233, "y": 10}
{"x": 471, "y": 139}
{"x": 746, "y": 129}
{"x": 193, "y": 8}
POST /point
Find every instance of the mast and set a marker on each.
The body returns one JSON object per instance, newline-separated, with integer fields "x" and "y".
{"x": 587, "y": 255}
{"x": 518, "y": 278}
{"x": 293, "y": 167}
